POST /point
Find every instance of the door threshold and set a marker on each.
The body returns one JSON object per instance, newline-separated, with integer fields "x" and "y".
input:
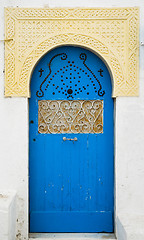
{"x": 72, "y": 236}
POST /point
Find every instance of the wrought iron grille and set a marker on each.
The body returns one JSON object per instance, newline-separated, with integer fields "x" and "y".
{"x": 67, "y": 116}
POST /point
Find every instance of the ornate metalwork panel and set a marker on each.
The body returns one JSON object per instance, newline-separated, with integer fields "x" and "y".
{"x": 70, "y": 116}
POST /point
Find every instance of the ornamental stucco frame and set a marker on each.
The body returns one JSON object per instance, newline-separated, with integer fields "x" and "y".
{"x": 112, "y": 33}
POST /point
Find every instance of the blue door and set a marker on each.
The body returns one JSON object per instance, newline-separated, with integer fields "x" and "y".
{"x": 71, "y": 148}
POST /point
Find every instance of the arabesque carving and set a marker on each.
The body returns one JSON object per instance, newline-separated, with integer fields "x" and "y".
{"x": 113, "y": 33}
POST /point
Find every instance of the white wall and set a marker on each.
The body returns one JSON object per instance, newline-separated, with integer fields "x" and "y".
{"x": 129, "y": 129}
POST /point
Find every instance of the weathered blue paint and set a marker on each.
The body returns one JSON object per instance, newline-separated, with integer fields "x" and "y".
{"x": 71, "y": 184}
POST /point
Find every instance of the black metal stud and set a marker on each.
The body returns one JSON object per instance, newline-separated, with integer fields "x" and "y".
{"x": 69, "y": 91}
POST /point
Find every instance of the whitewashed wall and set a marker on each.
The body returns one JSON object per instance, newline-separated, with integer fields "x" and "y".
{"x": 129, "y": 134}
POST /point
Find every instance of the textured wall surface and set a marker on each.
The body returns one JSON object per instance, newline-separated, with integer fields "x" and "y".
{"x": 129, "y": 131}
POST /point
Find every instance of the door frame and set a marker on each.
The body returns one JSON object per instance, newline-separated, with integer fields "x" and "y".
{"x": 114, "y": 126}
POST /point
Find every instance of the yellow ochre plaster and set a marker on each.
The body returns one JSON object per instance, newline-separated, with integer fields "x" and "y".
{"x": 112, "y": 33}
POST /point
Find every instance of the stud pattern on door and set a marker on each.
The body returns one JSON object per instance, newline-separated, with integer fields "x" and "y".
{"x": 70, "y": 116}
{"x": 68, "y": 74}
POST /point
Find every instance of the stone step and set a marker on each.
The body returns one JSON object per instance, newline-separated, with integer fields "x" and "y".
{"x": 71, "y": 236}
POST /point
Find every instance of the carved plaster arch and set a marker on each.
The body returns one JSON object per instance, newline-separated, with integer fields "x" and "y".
{"x": 112, "y": 33}
{"x": 88, "y": 42}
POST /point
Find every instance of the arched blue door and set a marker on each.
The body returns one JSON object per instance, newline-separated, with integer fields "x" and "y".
{"x": 71, "y": 143}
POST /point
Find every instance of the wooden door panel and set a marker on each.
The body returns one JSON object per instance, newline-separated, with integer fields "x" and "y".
{"x": 71, "y": 182}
